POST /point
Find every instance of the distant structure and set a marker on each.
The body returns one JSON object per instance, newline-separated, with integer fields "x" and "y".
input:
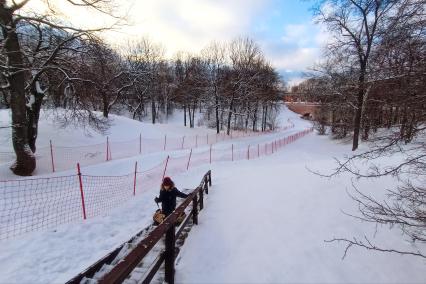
{"x": 298, "y": 103}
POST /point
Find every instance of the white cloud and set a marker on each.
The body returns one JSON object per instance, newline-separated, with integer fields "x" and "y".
{"x": 189, "y": 24}
{"x": 298, "y": 59}
{"x": 178, "y": 24}
{"x": 296, "y": 34}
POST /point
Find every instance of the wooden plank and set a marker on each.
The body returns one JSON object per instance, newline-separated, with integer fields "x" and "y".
{"x": 120, "y": 272}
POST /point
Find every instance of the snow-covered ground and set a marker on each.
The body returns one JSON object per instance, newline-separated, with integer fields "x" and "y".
{"x": 127, "y": 138}
{"x": 269, "y": 223}
{"x": 265, "y": 220}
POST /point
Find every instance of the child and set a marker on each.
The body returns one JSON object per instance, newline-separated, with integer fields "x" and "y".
{"x": 168, "y": 194}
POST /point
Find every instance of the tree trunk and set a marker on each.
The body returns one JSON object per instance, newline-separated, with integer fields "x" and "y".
{"x": 403, "y": 123}
{"x": 193, "y": 114}
{"x": 247, "y": 117}
{"x": 255, "y": 118}
{"x": 190, "y": 115}
{"x": 105, "y": 108}
{"x": 358, "y": 112}
{"x": 25, "y": 162}
{"x": 216, "y": 109}
{"x": 153, "y": 111}
{"x": 265, "y": 113}
{"x": 231, "y": 106}
{"x": 184, "y": 114}
{"x": 166, "y": 108}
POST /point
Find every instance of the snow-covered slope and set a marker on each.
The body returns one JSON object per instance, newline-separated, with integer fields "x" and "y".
{"x": 265, "y": 220}
{"x": 122, "y": 128}
{"x": 126, "y": 138}
{"x": 269, "y": 224}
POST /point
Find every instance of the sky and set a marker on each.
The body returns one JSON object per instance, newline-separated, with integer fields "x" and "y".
{"x": 284, "y": 29}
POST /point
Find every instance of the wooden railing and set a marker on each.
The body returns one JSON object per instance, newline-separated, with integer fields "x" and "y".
{"x": 125, "y": 266}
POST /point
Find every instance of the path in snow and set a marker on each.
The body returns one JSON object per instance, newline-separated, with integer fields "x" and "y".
{"x": 266, "y": 221}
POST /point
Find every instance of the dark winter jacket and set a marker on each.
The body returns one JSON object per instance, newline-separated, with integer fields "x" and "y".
{"x": 168, "y": 199}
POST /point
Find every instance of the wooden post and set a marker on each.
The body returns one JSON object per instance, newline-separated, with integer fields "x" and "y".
{"x": 165, "y": 142}
{"x": 195, "y": 210}
{"x": 196, "y": 141}
{"x": 51, "y": 156}
{"x": 83, "y": 206}
{"x": 169, "y": 261}
{"x": 189, "y": 160}
{"x": 140, "y": 143}
{"x": 210, "y": 154}
{"x": 258, "y": 150}
{"x": 201, "y": 198}
{"x": 134, "y": 179}
{"x": 206, "y": 186}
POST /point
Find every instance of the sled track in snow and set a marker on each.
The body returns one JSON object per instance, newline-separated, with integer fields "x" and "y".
{"x": 139, "y": 259}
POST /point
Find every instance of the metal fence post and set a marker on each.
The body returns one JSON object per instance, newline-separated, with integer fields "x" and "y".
{"x": 51, "y": 156}
{"x": 189, "y": 160}
{"x": 83, "y": 206}
{"x": 134, "y": 179}
{"x": 232, "y": 152}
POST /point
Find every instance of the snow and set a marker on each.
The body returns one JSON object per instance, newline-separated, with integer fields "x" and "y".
{"x": 269, "y": 223}
{"x": 31, "y": 101}
{"x": 265, "y": 220}
{"x": 122, "y": 129}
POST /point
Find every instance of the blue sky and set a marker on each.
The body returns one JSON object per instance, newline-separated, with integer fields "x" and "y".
{"x": 288, "y": 36}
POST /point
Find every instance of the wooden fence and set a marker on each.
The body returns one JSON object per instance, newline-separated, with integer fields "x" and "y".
{"x": 124, "y": 267}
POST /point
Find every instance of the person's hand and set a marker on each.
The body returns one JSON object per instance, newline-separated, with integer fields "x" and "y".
{"x": 156, "y": 199}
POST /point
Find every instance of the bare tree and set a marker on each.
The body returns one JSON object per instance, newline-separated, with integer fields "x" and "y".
{"x": 357, "y": 26}
{"x": 395, "y": 104}
{"x": 215, "y": 55}
{"x": 14, "y": 22}
{"x": 104, "y": 70}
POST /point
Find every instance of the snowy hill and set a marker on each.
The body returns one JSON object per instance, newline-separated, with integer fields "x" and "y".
{"x": 72, "y": 144}
{"x": 265, "y": 220}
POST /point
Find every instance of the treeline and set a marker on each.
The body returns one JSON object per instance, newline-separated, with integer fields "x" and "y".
{"x": 48, "y": 62}
{"x": 374, "y": 74}
{"x": 231, "y": 84}
{"x": 371, "y": 86}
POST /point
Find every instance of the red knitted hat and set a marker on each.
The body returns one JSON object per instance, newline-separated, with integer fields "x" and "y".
{"x": 168, "y": 181}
